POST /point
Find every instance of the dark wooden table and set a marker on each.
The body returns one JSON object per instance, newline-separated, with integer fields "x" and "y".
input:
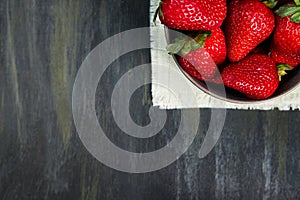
{"x": 42, "y": 45}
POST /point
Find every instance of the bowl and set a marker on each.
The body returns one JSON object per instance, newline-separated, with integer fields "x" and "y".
{"x": 287, "y": 84}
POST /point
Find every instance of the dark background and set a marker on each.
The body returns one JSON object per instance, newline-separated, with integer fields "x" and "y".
{"x": 43, "y": 43}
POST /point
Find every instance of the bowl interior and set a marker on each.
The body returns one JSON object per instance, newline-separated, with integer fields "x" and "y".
{"x": 288, "y": 82}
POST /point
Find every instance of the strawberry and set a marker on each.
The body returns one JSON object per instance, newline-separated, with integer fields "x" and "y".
{"x": 248, "y": 24}
{"x": 287, "y": 31}
{"x": 215, "y": 45}
{"x": 192, "y": 14}
{"x": 255, "y": 76}
{"x": 285, "y": 46}
{"x": 188, "y": 68}
{"x": 284, "y": 57}
{"x": 201, "y": 62}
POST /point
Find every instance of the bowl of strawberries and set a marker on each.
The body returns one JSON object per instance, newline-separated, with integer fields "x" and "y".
{"x": 249, "y": 47}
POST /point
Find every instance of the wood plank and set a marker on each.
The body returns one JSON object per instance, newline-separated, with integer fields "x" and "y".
{"x": 43, "y": 43}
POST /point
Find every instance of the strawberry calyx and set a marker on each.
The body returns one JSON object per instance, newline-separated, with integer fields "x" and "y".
{"x": 290, "y": 10}
{"x": 281, "y": 70}
{"x": 186, "y": 45}
{"x": 270, "y": 3}
{"x": 158, "y": 11}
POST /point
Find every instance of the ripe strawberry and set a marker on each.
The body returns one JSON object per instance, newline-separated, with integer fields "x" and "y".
{"x": 256, "y": 76}
{"x": 249, "y": 23}
{"x": 192, "y": 14}
{"x": 284, "y": 57}
{"x": 202, "y": 62}
{"x": 286, "y": 39}
{"x": 287, "y": 34}
{"x": 215, "y": 45}
{"x": 188, "y": 68}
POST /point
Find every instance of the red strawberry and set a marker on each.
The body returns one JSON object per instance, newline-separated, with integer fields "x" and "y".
{"x": 215, "y": 45}
{"x": 256, "y": 76}
{"x": 286, "y": 40}
{"x": 287, "y": 34}
{"x": 192, "y": 14}
{"x": 201, "y": 63}
{"x": 283, "y": 57}
{"x": 249, "y": 23}
{"x": 188, "y": 68}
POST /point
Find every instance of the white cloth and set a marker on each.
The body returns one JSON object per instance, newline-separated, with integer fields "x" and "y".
{"x": 166, "y": 99}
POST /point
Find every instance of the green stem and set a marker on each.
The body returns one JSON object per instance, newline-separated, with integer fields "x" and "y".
{"x": 287, "y": 10}
{"x": 270, "y": 3}
{"x": 281, "y": 70}
{"x": 296, "y": 18}
{"x": 158, "y": 11}
{"x": 187, "y": 44}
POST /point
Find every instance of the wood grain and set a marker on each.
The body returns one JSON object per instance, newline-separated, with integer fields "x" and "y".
{"x": 43, "y": 43}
